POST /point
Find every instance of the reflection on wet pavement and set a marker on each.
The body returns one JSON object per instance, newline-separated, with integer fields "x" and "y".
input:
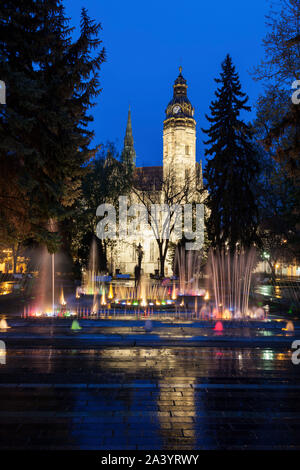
{"x": 130, "y": 397}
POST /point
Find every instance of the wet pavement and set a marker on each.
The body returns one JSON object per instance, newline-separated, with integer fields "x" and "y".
{"x": 117, "y": 387}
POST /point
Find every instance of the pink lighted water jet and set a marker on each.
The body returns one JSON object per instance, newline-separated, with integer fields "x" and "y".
{"x": 218, "y": 326}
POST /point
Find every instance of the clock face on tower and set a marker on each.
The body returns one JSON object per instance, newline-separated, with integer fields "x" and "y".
{"x": 176, "y": 109}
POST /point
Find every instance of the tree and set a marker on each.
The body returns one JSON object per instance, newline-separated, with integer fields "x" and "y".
{"x": 279, "y": 69}
{"x": 232, "y": 169}
{"x": 105, "y": 181}
{"x": 281, "y": 64}
{"x": 169, "y": 192}
{"x": 14, "y": 225}
{"x": 276, "y": 129}
{"x": 277, "y": 192}
{"x": 44, "y": 136}
{"x": 277, "y": 199}
{"x": 289, "y": 155}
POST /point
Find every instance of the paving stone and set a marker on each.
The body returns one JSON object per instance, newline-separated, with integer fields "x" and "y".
{"x": 96, "y": 395}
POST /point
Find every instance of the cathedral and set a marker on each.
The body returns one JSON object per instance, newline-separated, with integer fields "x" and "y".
{"x": 179, "y": 156}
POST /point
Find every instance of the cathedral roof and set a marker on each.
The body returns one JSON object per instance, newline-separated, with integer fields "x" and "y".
{"x": 148, "y": 178}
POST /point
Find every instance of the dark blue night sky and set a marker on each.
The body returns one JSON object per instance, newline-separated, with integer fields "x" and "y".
{"x": 145, "y": 44}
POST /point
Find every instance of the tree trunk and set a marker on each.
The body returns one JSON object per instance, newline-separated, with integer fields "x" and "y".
{"x": 14, "y": 258}
{"x": 162, "y": 267}
{"x": 161, "y": 260}
{"x": 273, "y": 271}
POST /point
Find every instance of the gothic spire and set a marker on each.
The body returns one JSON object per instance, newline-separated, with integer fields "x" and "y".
{"x": 128, "y": 155}
{"x": 129, "y": 128}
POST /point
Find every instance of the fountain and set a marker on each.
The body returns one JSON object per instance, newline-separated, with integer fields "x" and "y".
{"x": 110, "y": 292}
{"x": 91, "y": 277}
{"x": 145, "y": 294}
{"x": 221, "y": 294}
{"x": 95, "y": 304}
{"x": 229, "y": 279}
{"x": 62, "y": 298}
{"x": 218, "y": 326}
{"x": 53, "y": 282}
{"x": 103, "y": 299}
{"x": 289, "y": 327}
{"x": 75, "y": 325}
{"x": 3, "y": 324}
{"x": 188, "y": 264}
{"x": 45, "y": 289}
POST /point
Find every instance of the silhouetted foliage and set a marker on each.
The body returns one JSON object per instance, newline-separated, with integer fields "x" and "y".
{"x": 233, "y": 167}
{"x": 51, "y": 83}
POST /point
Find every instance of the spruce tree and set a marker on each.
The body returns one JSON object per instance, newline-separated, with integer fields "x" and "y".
{"x": 51, "y": 84}
{"x": 231, "y": 171}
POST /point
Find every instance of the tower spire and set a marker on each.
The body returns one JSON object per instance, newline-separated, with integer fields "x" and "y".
{"x": 179, "y": 132}
{"x": 128, "y": 155}
{"x": 128, "y": 135}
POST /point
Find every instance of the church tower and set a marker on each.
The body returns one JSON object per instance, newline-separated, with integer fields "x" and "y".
{"x": 179, "y": 134}
{"x": 128, "y": 156}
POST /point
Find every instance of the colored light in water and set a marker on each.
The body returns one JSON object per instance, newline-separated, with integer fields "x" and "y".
{"x": 3, "y": 324}
{"x": 289, "y": 326}
{"x": 110, "y": 292}
{"x": 103, "y": 300}
{"x": 226, "y": 314}
{"x": 75, "y": 325}
{"x": 267, "y": 355}
{"x": 218, "y": 326}
{"x": 174, "y": 296}
{"x": 62, "y": 297}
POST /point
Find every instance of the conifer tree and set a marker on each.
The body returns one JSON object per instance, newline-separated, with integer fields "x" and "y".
{"x": 51, "y": 83}
{"x": 231, "y": 171}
